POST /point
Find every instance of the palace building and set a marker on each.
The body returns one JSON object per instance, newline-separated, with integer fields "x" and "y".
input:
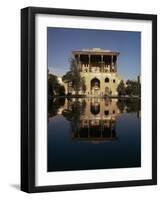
{"x": 98, "y": 68}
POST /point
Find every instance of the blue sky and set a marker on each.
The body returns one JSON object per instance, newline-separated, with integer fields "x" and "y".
{"x": 61, "y": 41}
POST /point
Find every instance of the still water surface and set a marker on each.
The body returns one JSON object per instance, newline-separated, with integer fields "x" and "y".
{"x": 93, "y": 133}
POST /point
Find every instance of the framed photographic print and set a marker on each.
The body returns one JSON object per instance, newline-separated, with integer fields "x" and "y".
{"x": 88, "y": 99}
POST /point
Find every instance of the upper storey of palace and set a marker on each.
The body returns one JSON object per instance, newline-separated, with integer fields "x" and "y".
{"x": 96, "y": 60}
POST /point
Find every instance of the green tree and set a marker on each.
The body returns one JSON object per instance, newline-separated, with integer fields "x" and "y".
{"x": 83, "y": 85}
{"x": 61, "y": 90}
{"x": 54, "y": 87}
{"x": 121, "y": 88}
{"x": 52, "y": 84}
{"x": 76, "y": 77}
{"x": 133, "y": 88}
{"x": 67, "y": 78}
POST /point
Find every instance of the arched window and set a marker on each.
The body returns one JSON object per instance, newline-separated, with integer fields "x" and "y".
{"x": 95, "y": 82}
{"x": 106, "y": 112}
{"x": 107, "y": 80}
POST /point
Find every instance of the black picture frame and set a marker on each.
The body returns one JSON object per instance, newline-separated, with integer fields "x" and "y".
{"x": 28, "y": 98}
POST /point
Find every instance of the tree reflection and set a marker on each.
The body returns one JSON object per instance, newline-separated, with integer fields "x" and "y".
{"x": 54, "y": 105}
{"x": 73, "y": 112}
{"x": 129, "y": 105}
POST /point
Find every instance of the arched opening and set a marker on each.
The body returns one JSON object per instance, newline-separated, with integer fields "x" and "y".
{"x": 95, "y": 86}
{"x": 106, "y": 112}
{"x": 95, "y": 82}
{"x": 107, "y": 80}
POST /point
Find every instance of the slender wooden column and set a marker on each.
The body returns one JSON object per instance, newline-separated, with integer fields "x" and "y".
{"x": 89, "y": 62}
{"x": 102, "y": 68}
{"x": 78, "y": 58}
{"x": 79, "y": 63}
{"x": 111, "y": 62}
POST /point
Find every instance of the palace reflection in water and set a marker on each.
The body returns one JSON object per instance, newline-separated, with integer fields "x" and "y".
{"x": 93, "y": 133}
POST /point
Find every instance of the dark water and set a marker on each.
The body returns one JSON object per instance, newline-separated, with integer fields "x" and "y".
{"x": 93, "y": 133}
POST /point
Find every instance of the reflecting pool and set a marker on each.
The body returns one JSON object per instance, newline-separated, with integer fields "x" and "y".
{"x": 93, "y": 133}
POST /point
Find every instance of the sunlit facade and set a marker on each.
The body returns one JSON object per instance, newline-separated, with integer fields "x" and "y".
{"x": 98, "y": 68}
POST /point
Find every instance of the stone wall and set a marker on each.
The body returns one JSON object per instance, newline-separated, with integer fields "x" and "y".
{"x": 114, "y": 80}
